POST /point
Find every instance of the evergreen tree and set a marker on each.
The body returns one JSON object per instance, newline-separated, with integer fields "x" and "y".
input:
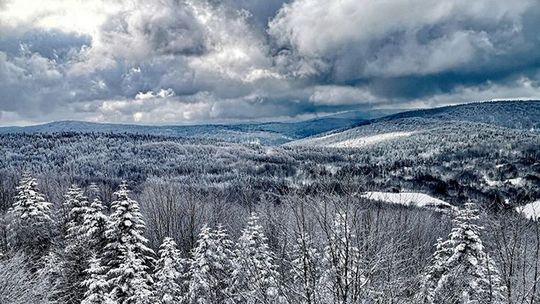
{"x": 95, "y": 225}
{"x": 126, "y": 250}
{"x": 342, "y": 280}
{"x": 30, "y": 220}
{"x": 255, "y": 278}
{"x": 464, "y": 271}
{"x": 210, "y": 267}
{"x": 435, "y": 271}
{"x": 97, "y": 287}
{"x": 76, "y": 253}
{"x": 168, "y": 275}
{"x": 130, "y": 281}
{"x": 75, "y": 207}
{"x": 305, "y": 269}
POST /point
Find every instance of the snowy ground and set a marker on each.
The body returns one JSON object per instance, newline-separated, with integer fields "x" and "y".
{"x": 352, "y": 140}
{"x": 518, "y": 181}
{"x": 369, "y": 140}
{"x": 409, "y": 199}
{"x": 530, "y": 211}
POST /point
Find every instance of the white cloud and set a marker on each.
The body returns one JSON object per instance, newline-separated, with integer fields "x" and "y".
{"x": 161, "y": 94}
{"x": 68, "y": 15}
{"x": 341, "y": 95}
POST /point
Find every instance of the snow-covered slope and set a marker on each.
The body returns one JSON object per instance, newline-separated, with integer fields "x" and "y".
{"x": 269, "y": 133}
{"x": 337, "y": 141}
{"x": 523, "y": 115}
{"x": 413, "y": 199}
{"x": 347, "y": 129}
{"x": 425, "y": 125}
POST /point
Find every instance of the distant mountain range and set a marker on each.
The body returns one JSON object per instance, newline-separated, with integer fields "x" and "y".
{"x": 344, "y": 129}
{"x": 269, "y": 133}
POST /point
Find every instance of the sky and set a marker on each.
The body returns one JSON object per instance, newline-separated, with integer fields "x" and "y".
{"x": 200, "y": 61}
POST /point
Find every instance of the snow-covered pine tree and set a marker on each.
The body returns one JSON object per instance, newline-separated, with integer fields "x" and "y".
{"x": 125, "y": 236}
{"x": 76, "y": 253}
{"x": 210, "y": 268}
{"x": 167, "y": 276}
{"x": 130, "y": 281}
{"x": 342, "y": 280}
{"x": 255, "y": 278}
{"x": 97, "y": 287}
{"x": 305, "y": 269}
{"x": 468, "y": 274}
{"x": 30, "y": 222}
{"x": 434, "y": 271}
{"x": 95, "y": 225}
{"x": 75, "y": 207}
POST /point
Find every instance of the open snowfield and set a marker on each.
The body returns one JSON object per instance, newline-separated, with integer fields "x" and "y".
{"x": 414, "y": 199}
{"x": 352, "y": 140}
{"x": 369, "y": 140}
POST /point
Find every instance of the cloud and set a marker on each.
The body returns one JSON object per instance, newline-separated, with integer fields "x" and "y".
{"x": 51, "y": 44}
{"x": 350, "y": 40}
{"x": 170, "y": 28}
{"x": 175, "y": 61}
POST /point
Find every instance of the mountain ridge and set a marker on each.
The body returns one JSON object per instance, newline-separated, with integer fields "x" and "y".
{"x": 514, "y": 114}
{"x": 521, "y": 116}
{"x": 265, "y": 132}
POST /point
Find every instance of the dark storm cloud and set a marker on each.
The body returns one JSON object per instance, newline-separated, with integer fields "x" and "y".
{"x": 409, "y": 52}
{"x": 178, "y": 60}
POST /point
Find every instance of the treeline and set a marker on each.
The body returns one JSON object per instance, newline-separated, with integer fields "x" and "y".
{"x": 304, "y": 250}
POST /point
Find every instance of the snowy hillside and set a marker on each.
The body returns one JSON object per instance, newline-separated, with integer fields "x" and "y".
{"x": 524, "y": 115}
{"x": 268, "y": 133}
{"x": 492, "y": 117}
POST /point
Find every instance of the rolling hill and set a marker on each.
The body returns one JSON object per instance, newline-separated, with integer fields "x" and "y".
{"x": 512, "y": 117}
{"x": 347, "y": 129}
{"x": 269, "y": 133}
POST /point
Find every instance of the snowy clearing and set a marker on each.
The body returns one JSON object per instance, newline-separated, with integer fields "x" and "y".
{"x": 348, "y": 139}
{"x": 518, "y": 181}
{"x": 414, "y": 199}
{"x": 530, "y": 211}
{"x": 369, "y": 140}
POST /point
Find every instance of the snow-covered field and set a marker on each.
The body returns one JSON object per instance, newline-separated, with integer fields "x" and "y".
{"x": 415, "y": 199}
{"x": 530, "y": 211}
{"x": 352, "y": 140}
{"x": 369, "y": 140}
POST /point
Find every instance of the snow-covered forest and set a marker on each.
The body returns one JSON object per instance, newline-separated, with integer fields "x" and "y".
{"x": 127, "y": 218}
{"x": 324, "y": 252}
